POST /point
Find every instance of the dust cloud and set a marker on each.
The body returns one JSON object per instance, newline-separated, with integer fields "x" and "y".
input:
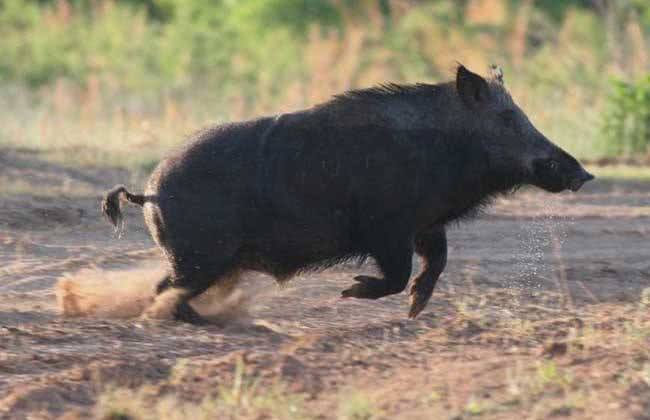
{"x": 123, "y": 294}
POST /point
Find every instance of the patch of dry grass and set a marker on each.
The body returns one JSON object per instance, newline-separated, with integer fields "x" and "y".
{"x": 357, "y": 405}
{"x": 244, "y": 398}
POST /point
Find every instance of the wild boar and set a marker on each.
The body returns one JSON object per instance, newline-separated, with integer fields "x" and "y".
{"x": 374, "y": 173}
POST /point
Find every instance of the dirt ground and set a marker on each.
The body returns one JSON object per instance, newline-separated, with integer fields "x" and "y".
{"x": 542, "y": 312}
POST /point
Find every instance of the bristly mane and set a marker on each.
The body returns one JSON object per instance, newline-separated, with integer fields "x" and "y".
{"x": 401, "y": 106}
{"x": 383, "y": 91}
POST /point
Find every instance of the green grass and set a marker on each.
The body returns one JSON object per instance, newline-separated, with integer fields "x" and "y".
{"x": 145, "y": 78}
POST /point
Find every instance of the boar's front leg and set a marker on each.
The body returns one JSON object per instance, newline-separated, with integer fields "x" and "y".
{"x": 431, "y": 244}
{"x": 393, "y": 252}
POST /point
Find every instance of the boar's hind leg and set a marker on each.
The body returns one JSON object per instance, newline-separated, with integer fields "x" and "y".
{"x": 164, "y": 284}
{"x": 431, "y": 244}
{"x": 187, "y": 281}
{"x": 182, "y": 311}
{"x": 393, "y": 253}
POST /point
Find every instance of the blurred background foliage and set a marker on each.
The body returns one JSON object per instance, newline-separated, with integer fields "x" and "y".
{"x": 101, "y": 81}
{"x": 627, "y": 118}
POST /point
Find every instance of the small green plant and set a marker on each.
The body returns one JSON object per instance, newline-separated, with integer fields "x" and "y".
{"x": 357, "y": 406}
{"x": 548, "y": 373}
{"x": 434, "y": 396}
{"x": 474, "y": 408}
{"x": 626, "y": 127}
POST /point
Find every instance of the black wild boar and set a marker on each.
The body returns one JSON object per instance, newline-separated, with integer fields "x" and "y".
{"x": 376, "y": 172}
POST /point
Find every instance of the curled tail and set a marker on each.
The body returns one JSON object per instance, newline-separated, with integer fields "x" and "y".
{"x": 111, "y": 204}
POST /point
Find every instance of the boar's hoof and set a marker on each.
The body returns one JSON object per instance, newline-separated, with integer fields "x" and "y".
{"x": 185, "y": 313}
{"x": 419, "y": 299}
{"x": 367, "y": 288}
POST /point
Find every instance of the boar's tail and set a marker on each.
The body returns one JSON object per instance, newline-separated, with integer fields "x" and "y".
{"x": 111, "y": 204}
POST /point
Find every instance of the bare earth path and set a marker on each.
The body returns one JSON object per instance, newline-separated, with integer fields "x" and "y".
{"x": 540, "y": 314}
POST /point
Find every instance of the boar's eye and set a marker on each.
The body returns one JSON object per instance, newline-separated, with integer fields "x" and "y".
{"x": 508, "y": 118}
{"x": 552, "y": 165}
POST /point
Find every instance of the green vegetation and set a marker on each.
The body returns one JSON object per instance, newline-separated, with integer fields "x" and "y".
{"x": 120, "y": 82}
{"x": 356, "y": 405}
{"x": 627, "y": 120}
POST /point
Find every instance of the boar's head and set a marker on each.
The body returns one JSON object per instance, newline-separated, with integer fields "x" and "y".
{"x": 514, "y": 146}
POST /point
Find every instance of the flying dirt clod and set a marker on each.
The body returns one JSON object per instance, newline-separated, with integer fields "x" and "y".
{"x": 375, "y": 173}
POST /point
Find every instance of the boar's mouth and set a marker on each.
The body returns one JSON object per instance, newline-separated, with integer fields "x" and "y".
{"x": 578, "y": 182}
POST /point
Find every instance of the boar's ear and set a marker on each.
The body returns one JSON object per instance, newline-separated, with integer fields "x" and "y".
{"x": 496, "y": 73}
{"x": 471, "y": 87}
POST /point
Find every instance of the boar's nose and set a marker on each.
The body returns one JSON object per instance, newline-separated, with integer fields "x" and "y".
{"x": 579, "y": 181}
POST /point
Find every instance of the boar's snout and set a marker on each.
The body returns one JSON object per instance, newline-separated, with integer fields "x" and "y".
{"x": 577, "y": 182}
{"x": 559, "y": 171}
